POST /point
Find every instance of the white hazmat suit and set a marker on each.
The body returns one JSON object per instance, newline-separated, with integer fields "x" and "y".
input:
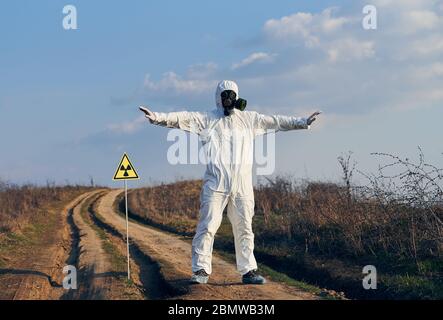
{"x": 228, "y": 142}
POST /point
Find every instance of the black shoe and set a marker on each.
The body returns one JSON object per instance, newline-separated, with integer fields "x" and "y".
{"x": 200, "y": 277}
{"x": 252, "y": 277}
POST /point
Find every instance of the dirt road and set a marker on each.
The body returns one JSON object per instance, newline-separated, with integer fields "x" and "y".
{"x": 98, "y": 276}
{"x": 35, "y": 272}
{"x": 90, "y": 234}
{"x": 173, "y": 256}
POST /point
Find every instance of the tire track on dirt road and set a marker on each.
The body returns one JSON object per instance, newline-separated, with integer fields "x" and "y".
{"x": 173, "y": 256}
{"x": 144, "y": 271}
{"x": 98, "y": 263}
{"x": 87, "y": 256}
{"x": 39, "y": 275}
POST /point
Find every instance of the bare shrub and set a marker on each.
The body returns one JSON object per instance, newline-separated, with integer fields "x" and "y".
{"x": 397, "y": 215}
{"x": 408, "y": 195}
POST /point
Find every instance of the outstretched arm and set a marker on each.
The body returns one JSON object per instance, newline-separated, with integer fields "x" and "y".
{"x": 188, "y": 121}
{"x": 263, "y": 123}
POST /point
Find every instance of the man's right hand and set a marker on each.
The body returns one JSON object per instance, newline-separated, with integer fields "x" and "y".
{"x": 312, "y": 117}
{"x": 148, "y": 113}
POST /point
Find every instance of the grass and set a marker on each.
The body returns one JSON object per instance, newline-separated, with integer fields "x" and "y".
{"x": 309, "y": 237}
{"x": 28, "y": 215}
{"x": 118, "y": 261}
{"x": 17, "y": 244}
{"x": 281, "y": 277}
{"x": 12, "y": 243}
{"x": 227, "y": 254}
{"x": 20, "y": 205}
{"x": 273, "y": 274}
{"x": 412, "y": 286}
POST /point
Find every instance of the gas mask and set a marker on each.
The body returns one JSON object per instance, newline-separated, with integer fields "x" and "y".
{"x": 230, "y": 101}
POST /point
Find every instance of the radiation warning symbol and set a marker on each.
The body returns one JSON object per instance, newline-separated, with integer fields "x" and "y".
{"x": 125, "y": 170}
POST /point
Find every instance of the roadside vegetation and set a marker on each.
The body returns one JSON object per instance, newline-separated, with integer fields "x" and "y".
{"x": 324, "y": 233}
{"x": 29, "y": 214}
{"x": 21, "y": 204}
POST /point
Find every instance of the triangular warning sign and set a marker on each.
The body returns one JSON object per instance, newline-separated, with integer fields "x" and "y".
{"x": 125, "y": 170}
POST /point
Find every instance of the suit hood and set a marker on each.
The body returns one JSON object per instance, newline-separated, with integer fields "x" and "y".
{"x": 222, "y": 86}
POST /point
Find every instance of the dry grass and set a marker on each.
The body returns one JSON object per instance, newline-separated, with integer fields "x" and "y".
{"x": 398, "y": 214}
{"x": 393, "y": 221}
{"x": 315, "y": 215}
{"x": 20, "y": 204}
{"x": 174, "y": 205}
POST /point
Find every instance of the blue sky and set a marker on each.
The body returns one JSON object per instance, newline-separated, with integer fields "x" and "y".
{"x": 68, "y": 99}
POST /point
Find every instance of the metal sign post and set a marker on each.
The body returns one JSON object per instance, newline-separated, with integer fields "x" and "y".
{"x": 127, "y": 227}
{"x": 126, "y": 171}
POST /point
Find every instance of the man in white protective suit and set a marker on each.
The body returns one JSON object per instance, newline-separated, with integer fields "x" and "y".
{"x": 227, "y": 134}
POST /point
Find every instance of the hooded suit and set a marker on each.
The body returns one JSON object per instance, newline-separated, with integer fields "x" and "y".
{"x": 228, "y": 142}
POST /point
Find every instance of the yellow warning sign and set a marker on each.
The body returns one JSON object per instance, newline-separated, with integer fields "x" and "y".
{"x": 125, "y": 170}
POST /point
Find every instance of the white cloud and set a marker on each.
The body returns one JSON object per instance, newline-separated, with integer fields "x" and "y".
{"x": 350, "y": 49}
{"x": 428, "y": 72}
{"x": 327, "y": 59}
{"x": 324, "y": 31}
{"x": 432, "y": 44}
{"x": 406, "y": 17}
{"x": 308, "y": 27}
{"x": 337, "y": 63}
{"x": 422, "y": 19}
{"x": 202, "y": 70}
{"x": 173, "y": 83}
{"x": 129, "y": 126}
{"x": 421, "y": 98}
{"x": 412, "y": 21}
{"x": 193, "y": 88}
{"x": 261, "y": 57}
{"x": 296, "y": 26}
{"x": 404, "y": 4}
{"x": 333, "y": 24}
